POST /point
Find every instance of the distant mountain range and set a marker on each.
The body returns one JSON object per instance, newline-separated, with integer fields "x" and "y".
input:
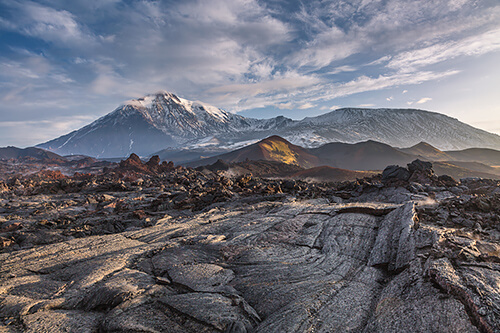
{"x": 342, "y": 161}
{"x": 277, "y": 157}
{"x": 164, "y": 122}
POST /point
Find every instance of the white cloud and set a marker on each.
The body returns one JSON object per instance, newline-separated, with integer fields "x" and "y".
{"x": 390, "y": 98}
{"x": 48, "y": 24}
{"x": 259, "y": 94}
{"x": 244, "y": 20}
{"x": 15, "y": 95}
{"x": 470, "y": 46}
{"x": 424, "y": 100}
{"x": 306, "y": 106}
{"x": 341, "y": 69}
{"x": 275, "y": 92}
{"x": 404, "y": 91}
{"x": 262, "y": 70}
{"x": 456, "y": 4}
{"x": 365, "y": 83}
{"x": 387, "y": 26}
{"x": 329, "y": 45}
{"x": 380, "y": 61}
{"x": 285, "y": 106}
{"x": 366, "y": 105}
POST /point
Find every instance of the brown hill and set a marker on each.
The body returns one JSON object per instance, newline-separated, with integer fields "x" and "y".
{"x": 475, "y": 167}
{"x": 330, "y": 174}
{"x": 490, "y": 157}
{"x": 457, "y": 172}
{"x": 30, "y": 152}
{"x": 273, "y": 148}
{"x": 369, "y": 155}
{"x": 425, "y": 151}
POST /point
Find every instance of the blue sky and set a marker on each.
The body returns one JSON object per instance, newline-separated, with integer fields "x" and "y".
{"x": 65, "y": 63}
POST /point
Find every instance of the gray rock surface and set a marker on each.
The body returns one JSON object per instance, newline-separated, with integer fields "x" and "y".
{"x": 395, "y": 244}
{"x": 281, "y": 266}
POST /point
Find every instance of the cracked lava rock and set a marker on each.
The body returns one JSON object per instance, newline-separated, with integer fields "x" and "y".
{"x": 152, "y": 255}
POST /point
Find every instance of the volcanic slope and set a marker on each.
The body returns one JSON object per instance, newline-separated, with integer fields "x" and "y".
{"x": 395, "y": 127}
{"x": 482, "y": 155}
{"x": 273, "y": 148}
{"x": 427, "y": 151}
{"x": 342, "y": 161}
{"x": 369, "y": 155}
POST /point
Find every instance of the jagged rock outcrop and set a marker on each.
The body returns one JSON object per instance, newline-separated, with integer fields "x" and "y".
{"x": 134, "y": 164}
{"x": 418, "y": 171}
{"x": 395, "y": 172}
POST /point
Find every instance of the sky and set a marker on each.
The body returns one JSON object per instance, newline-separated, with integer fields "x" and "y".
{"x": 64, "y": 63}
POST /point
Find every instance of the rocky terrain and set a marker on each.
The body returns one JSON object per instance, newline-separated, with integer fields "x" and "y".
{"x": 152, "y": 247}
{"x": 29, "y": 161}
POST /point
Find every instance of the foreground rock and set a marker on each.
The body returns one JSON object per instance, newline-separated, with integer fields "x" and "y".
{"x": 288, "y": 266}
{"x": 149, "y": 247}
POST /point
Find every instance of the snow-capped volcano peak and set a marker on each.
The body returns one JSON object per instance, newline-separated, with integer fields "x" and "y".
{"x": 148, "y": 100}
{"x": 180, "y": 117}
{"x": 198, "y": 108}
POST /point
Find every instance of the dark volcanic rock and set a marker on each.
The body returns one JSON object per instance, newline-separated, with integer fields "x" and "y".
{"x": 421, "y": 172}
{"x": 149, "y": 247}
{"x": 395, "y": 244}
{"x": 395, "y": 172}
{"x": 218, "y": 165}
{"x": 153, "y": 162}
{"x": 420, "y": 166}
{"x": 153, "y": 166}
{"x": 447, "y": 181}
{"x": 133, "y": 162}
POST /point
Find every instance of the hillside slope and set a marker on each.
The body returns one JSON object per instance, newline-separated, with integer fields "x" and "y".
{"x": 369, "y": 155}
{"x": 273, "y": 148}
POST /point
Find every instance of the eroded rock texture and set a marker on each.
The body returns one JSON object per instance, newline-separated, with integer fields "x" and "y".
{"x": 283, "y": 266}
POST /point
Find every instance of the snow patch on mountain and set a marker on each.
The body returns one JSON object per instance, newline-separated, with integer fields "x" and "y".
{"x": 145, "y": 102}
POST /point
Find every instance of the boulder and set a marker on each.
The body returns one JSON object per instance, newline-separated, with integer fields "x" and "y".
{"x": 420, "y": 166}
{"x": 395, "y": 172}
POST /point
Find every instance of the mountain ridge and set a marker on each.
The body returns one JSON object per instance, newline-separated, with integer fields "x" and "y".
{"x": 337, "y": 160}
{"x": 165, "y": 121}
